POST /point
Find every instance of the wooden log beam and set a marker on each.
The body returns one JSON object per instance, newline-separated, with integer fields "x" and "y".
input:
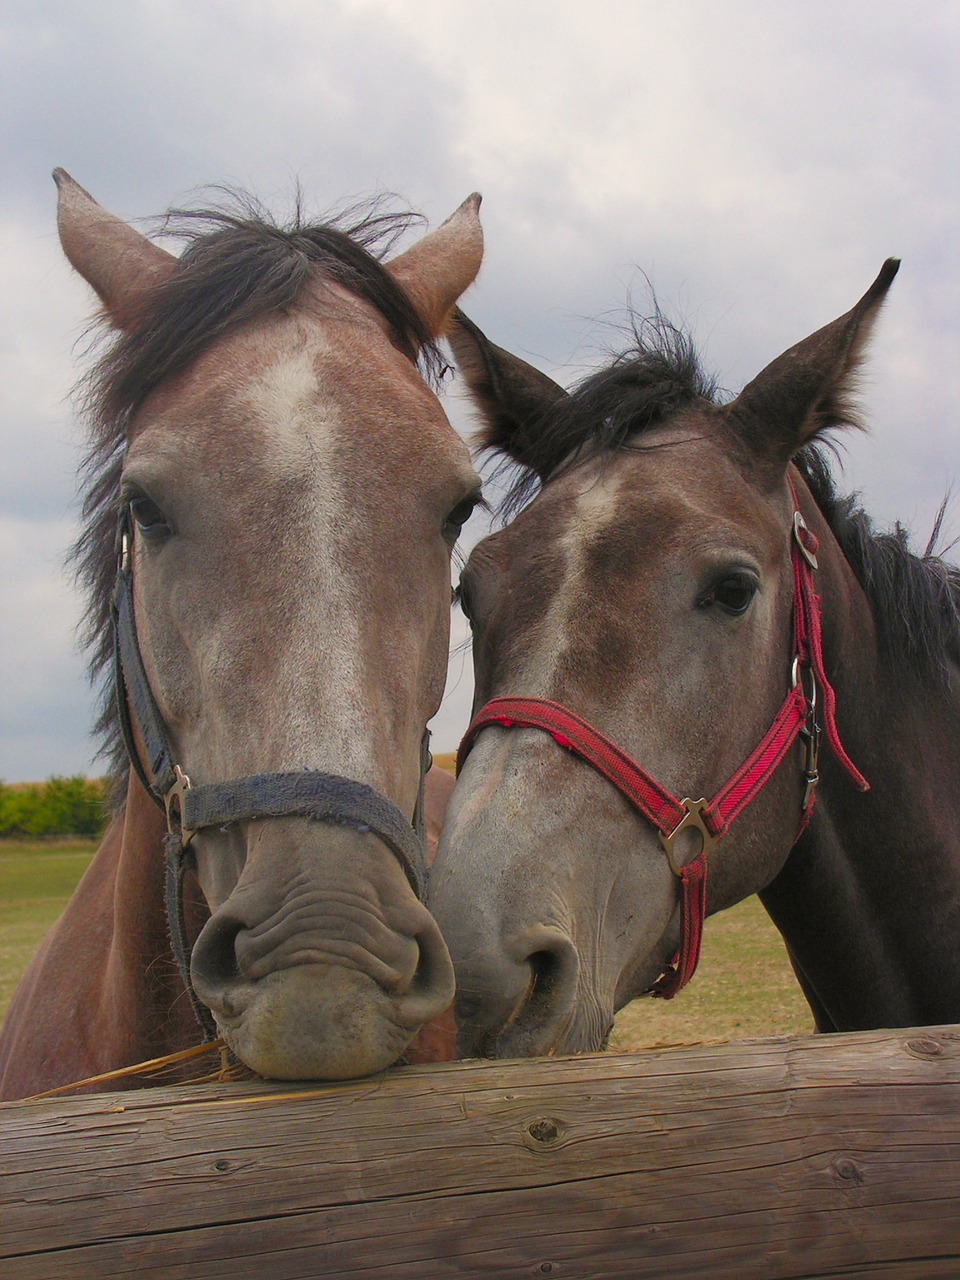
{"x": 813, "y": 1157}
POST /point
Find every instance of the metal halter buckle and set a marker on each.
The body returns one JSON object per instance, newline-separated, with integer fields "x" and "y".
{"x": 173, "y": 804}
{"x": 693, "y": 817}
{"x": 810, "y": 731}
{"x": 799, "y": 529}
{"x": 811, "y": 775}
{"x": 798, "y": 670}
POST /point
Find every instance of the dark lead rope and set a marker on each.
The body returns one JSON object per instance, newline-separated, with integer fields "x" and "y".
{"x": 322, "y": 797}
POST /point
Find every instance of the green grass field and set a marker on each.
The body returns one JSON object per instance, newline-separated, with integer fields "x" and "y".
{"x": 744, "y": 986}
{"x": 35, "y": 882}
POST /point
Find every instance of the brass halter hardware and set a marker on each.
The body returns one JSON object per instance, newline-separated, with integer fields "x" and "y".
{"x": 173, "y": 804}
{"x": 810, "y": 732}
{"x": 799, "y": 529}
{"x": 693, "y": 817}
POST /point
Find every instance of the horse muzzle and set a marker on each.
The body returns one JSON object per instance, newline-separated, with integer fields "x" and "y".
{"x": 321, "y": 964}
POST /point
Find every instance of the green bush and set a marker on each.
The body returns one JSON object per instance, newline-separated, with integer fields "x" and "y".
{"x": 59, "y": 807}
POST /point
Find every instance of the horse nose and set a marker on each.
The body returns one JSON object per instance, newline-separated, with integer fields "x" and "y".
{"x": 418, "y": 975}
{"x": 518, "y": 1001}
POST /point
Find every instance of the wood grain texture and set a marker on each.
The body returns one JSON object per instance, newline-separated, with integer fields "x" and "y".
{"x": 821, "y": 1156}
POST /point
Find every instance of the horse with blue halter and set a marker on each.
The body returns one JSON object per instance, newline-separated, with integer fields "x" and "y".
{"x": 684, "y": 640}
{"x": 273, "y": 496}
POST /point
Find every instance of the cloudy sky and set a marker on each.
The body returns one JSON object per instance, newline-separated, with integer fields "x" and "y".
{"x": 757, "y": 160}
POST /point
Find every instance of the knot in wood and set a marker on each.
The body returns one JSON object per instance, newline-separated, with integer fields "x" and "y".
{"x": 849, "y": 1170}
{"x": 545, "y": 1131}
{"x": 925, "y": 1047}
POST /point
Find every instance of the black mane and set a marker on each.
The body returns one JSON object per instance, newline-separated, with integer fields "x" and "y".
{"x": 659, "y": 374}
{"x": 915, "y": 599}
{"x": 238, "y": 264}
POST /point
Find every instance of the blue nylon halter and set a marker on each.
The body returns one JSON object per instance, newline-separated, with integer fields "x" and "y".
{"x": 323, "y": 797}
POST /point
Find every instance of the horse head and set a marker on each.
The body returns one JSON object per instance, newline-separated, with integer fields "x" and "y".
{"x": 637, "y": 616}
{"x": 287, "y": 491}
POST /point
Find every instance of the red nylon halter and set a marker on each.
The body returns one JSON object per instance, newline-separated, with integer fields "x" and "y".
{"x": 712, "y": 819}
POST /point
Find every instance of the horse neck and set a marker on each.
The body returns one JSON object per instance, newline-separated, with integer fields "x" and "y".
{"x": 868, "y": 902}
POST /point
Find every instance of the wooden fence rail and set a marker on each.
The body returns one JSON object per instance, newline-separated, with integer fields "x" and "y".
{"x": 812, "y": 1157}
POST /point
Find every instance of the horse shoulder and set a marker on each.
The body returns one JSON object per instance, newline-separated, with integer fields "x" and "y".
{"x": 99, "y": 995}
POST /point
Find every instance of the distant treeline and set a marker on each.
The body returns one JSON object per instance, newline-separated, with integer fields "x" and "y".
{"x": 57, "y": 807}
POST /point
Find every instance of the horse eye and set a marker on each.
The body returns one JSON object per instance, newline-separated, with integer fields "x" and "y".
{"x": 150, "y": 520}
{"x": 459, "y": 516}
{"x": 733, "y": 594}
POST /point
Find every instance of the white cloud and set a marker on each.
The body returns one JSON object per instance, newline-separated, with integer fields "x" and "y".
{"x": 36, "y": 370}
{"x": 47, "y": 704}
{"x": 757, "y": 161}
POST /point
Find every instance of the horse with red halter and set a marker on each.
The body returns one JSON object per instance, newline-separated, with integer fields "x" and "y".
{"x": 273, "y": 496}
{"x": 683, "y": 640}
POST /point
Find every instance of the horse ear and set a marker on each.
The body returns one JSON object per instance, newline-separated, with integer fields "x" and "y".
{"x": 512, "y": 396}
{"x": 435, "y": 271}
{"x": 812, "y": 385}
{"x": 118, "y": 262}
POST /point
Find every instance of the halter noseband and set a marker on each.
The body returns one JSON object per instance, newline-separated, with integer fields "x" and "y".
{"x": 324, "y": 797}
{"x": 711, "y": 819}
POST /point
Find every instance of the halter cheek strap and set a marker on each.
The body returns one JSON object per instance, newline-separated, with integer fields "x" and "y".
{"x": 710, "y": 820}
{"x": 323, "y": 797}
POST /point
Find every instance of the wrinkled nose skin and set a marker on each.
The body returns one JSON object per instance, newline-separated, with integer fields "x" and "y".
{"x": 321, "y": 964}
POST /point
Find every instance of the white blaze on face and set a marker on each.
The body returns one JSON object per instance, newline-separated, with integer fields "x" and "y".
{"x": 317, "y": 694}
{"x": 596, "y": 508}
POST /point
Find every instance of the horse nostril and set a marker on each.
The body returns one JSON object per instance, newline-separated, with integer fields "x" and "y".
{"x": 554, "y": 968}
{"x": 214, "y": 963}
{"x": 519, "y": 1000}
{"x": 546, "y": 970}
{"x": 432, "y": 987}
